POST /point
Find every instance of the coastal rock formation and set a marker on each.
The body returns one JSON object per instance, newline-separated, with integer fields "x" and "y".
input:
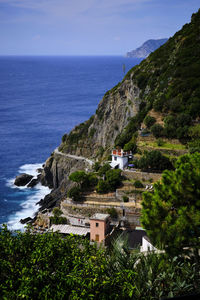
{"x": 23, "y": 179}
{"x": 146, "y": 48}
{"x": 55, "y": 175}
{"x": 33, "y": 182}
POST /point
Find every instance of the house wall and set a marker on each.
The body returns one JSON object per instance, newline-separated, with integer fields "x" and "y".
{"x": 146, "y": 246}
{"x": 97, "y": 230}
{"x": 122, "y": 161}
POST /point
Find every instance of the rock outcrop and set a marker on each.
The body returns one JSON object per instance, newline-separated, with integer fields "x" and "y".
{"x": 23, "y": 179}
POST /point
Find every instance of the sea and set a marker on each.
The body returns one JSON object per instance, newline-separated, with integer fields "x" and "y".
{"x": 41, "y": 99}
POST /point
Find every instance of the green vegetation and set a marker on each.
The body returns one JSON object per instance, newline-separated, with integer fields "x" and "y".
{"x": 75, "y": 193}
{"x": 161, "y": 144}
{"x": 102, "y": 171}
{"x": 96, "y": 166}
{"x": 129, "y": 132}
{"x": 149, "y": 121}
{"x": 138, "y": 184}
{"x": 194, "y": 133}
{"x": 171, "y": 214}
{"x": 169, "y": 83}
{"x": 112, "y": 212}
{"x": 35, "y": 266}
{"x": 84, "y": 180}
{"x": 89, "y": 181}
{"x": 78, "y": 177}
{"x": 112, "y": 180}
{"x": 102, "y": 187}
{"x": 157, "y": 130}
{"x": 125, "y": 198}
{"x": 173, "y": 86}
{"x": 57, "y": 219}
{"x": 153, "y": 161}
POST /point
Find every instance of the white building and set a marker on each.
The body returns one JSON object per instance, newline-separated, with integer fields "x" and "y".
{"x": 146, "y": 245}
{"x": 120, "y": 158}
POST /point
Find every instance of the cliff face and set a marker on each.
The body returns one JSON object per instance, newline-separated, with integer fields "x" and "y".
{"x": 167, "y": 81}
{"x": 89, "y": 139}
{"x": 146, "y": 48}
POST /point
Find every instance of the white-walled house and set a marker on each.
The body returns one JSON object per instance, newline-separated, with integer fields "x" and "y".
{"x": 146, "y": 245}
{"x": 120, "y": 158}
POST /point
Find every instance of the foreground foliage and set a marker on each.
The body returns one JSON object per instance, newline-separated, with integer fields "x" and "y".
{"x": 50, "y": 267}
{"x": 171, "y": 214}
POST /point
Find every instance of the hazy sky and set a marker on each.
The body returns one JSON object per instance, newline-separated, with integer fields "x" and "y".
{"x": 88, "y": 27}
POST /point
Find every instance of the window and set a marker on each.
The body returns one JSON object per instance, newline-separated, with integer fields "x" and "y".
{"x": 115, "y": 158}
{"x": 97, "y": 237}
{"x": 97, "y": 224}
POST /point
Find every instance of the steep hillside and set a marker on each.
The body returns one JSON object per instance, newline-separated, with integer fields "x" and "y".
{"x": 146, "y": 48}
{"x": 166, "y": 85}
{"x": 167, "y": 81}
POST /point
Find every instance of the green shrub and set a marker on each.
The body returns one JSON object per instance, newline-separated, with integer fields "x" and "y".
{"x": 125, "y": 199}
{"x": 154, "y": 161}
{"x": 113, "y": 178}
{"x": 64, "y": 138}
{"x": 112, "y": 212}
{"x": 92, "y": 180}
{"x": 160, "y": 142}
{"x": 78, "y": 176}
{"x": 102, "y": 187}
{"x": 75, "y": 193}
{"x": 102, "y": 171}
{"x": 149, "y": 121}
{"x": 130, "y": 146}
{"x": 96, "y": 166}
{"x": 58, "y": 220}
{"x": 57, "y": 212}
{"x": 138, "y": 184}
{"x": 157, "y": 130}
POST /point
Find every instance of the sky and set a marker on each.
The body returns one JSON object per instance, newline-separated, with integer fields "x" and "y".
{"x": 88, "y": 27}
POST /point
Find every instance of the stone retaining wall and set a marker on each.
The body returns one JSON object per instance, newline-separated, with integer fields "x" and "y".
{"x": 143, "y": 176}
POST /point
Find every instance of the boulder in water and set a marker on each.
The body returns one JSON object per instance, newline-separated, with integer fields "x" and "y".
{"x": 23, "y": 179}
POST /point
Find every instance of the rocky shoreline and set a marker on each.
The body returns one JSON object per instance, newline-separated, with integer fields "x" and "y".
{"x": 54, "y": 175}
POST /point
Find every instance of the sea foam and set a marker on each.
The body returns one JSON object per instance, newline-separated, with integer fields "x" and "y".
{"x": 31, "y": 196}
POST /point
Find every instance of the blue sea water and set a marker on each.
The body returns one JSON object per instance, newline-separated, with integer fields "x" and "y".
{"x": 41, "y": 98}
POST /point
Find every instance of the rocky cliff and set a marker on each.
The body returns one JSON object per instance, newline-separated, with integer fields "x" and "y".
{"x": 146, "y": 48}
{"x": 167, "y": 82}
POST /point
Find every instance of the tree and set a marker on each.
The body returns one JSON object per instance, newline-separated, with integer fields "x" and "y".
{"x": 130, "y": 146}
{"x": 171, "y": 214}
{"x": 149, "y": 121}
{"x": 102, "y": 171}
{"x": 138, "y": 184}
{"x": 102, "y": 186}
{"x": 57, "y": 219}
{"x": 154, "y": 161}
{"x": 50, "y": 266}
{"x": 74, "y": 193}
{"x": 114, "y": 178}
{"x": 78, "y": 177}
{"x": 157, "y": 130}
